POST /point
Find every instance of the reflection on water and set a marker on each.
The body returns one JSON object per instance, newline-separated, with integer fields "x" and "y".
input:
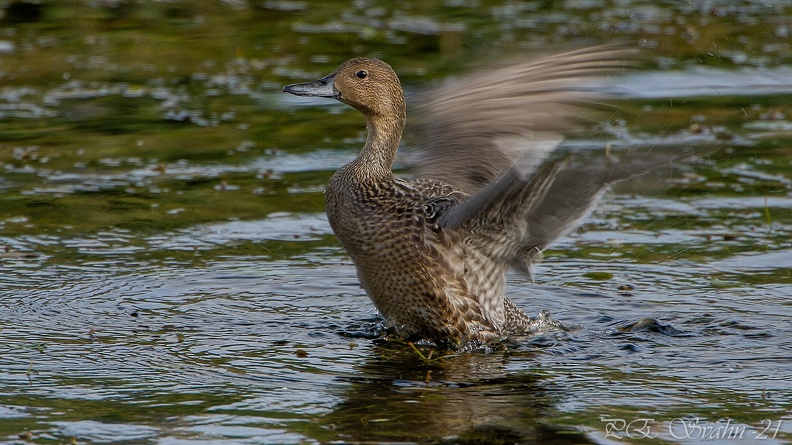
{"x": 212, "y": 351}
{"x": 704, "y": 82}
{"x": 167, "y": 274}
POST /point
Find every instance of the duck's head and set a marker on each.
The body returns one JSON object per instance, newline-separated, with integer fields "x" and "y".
{"x": 368, "y": 84}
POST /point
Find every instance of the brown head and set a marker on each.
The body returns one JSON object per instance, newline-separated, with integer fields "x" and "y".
{"x": 368, "y": 84}
{"x": 371, "y": 86}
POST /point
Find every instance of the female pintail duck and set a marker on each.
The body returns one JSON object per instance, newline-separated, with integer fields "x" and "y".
{"x": 433, "y": 253}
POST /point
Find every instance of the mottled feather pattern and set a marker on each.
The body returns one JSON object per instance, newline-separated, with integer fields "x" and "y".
{"x": 392, "y": 227}
{"x": 433, "y": 253}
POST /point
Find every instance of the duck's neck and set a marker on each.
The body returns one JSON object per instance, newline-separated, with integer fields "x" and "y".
{"x": 375, "y": 161}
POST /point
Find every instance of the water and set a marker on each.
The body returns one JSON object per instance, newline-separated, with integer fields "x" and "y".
{"x": 167, "y": 274}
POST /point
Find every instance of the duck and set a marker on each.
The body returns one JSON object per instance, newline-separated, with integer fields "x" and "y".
{"x": 488, "y": 195}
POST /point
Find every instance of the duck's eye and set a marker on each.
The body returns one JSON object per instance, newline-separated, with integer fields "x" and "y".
{"x": 361, "y": 74}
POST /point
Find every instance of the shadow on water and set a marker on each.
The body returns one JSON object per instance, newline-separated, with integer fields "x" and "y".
{"x": 400, "y": 397}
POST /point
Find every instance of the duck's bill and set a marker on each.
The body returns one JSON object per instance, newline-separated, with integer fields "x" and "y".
{"x": 318, "y": 88}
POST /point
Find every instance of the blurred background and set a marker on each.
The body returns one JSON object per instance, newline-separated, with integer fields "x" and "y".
{"x": 167, "y": 274}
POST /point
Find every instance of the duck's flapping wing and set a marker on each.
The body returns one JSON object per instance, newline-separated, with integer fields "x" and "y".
{"x": 521, "y": 213}
{"x": 475, "y": 127}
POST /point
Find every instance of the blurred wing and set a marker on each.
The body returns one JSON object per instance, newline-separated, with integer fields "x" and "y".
{"x": 474, "y": 128}
{"x": 519, "y": 215}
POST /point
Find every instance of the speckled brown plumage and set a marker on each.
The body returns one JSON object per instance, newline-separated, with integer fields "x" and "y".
{"x": 433, "y": 256}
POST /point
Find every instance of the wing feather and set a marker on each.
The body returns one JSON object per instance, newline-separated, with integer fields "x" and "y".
{"x": 472, "y": 129}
